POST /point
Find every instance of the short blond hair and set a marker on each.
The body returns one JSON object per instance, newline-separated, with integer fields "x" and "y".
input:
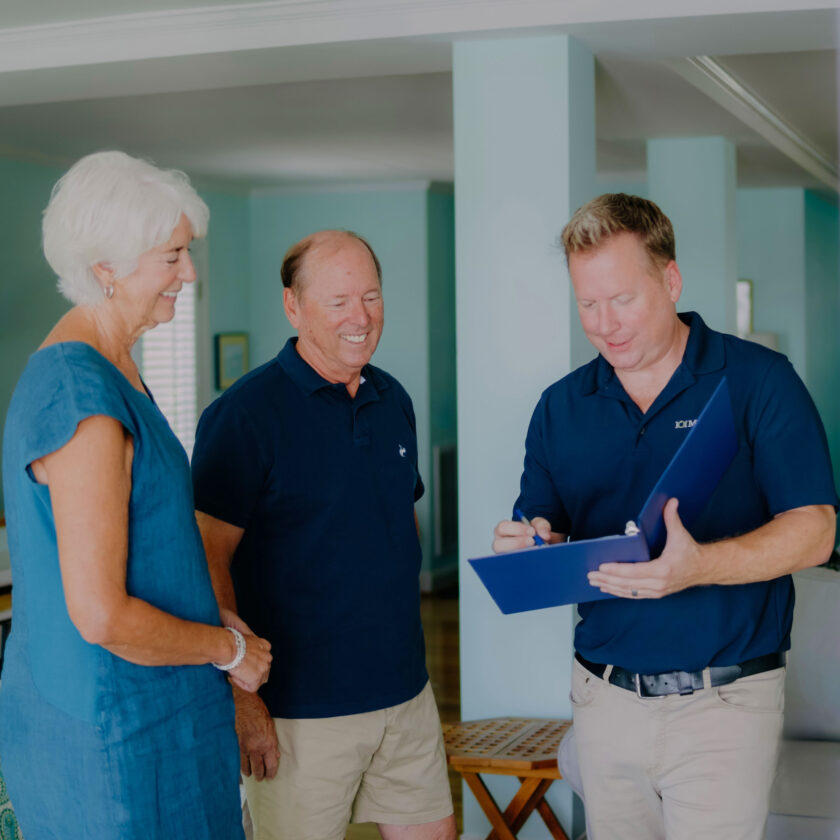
{"x": 612, "y": 213}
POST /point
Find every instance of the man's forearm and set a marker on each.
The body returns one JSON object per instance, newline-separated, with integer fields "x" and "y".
{"x": 220, "y": 540}
{"x": 793, "y": 540}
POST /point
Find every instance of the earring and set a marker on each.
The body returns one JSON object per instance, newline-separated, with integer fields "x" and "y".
{"x": 108, "y": 291}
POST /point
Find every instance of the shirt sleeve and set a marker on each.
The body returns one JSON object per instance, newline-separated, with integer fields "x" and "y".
{"x": 229, "y": 464}
{"x": 538, "y": 494}
{"x": 61, "y": 396}
{"x": 790, "y": 449}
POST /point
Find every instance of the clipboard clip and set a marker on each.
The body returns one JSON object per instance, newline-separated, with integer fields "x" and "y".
{"x": 631, "y": 529}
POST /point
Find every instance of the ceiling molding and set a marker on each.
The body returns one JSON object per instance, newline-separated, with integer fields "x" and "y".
{"x": 278, "y": 23}
{"x": 730, "y": 93}
{"x": 329, "y": 187}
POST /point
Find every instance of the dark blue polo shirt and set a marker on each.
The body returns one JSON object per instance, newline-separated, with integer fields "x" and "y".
{"x": 592, "y": 457}
{"x": 328, "y": 567}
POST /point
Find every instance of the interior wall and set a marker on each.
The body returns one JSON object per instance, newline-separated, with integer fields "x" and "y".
{"x": 771, "y": 253}
{"x": 443, "y": 415}
{"x": 30, "y": 303}
{"x": 29, "y": 300}
{"x": 822, "y": 300}
{"x": 228, "y": 285}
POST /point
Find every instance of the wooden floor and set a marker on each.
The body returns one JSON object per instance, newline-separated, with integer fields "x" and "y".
{"x": 440, "y": 621}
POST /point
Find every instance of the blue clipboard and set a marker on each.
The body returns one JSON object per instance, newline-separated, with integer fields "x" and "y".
{"x": 550, "y": 576}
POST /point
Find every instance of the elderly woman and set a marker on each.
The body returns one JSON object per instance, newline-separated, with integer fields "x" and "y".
{"x": 114, "y": 722}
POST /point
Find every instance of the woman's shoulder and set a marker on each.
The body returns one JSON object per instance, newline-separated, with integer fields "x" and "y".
{"x": 70, "y": 363}
{"x": 70, "y": 377}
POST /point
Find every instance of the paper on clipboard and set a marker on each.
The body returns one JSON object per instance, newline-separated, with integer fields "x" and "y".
{"x": 550, "y": 576}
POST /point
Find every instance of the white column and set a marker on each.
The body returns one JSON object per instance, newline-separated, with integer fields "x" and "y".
{"x": 524, "y": 161}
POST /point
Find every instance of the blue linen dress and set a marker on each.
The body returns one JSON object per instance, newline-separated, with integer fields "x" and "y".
{"x": 94, "y": 747}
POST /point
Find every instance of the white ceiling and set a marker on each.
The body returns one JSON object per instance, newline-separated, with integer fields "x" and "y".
{"x": 302, "y": 91}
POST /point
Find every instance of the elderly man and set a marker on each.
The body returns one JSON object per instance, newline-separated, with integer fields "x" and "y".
{"x": 305, "y": 475}
{"x": 678, "y": 682}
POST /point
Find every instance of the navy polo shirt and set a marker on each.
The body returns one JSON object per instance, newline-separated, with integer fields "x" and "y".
{"x": 592, "y": 457}
{"x": 328, "y": 567}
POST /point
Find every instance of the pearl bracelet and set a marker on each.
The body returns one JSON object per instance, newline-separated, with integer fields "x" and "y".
{"x": 240, "y": 651}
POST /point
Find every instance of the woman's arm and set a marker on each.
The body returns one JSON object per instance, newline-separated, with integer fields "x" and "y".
{"x": 90, "y": 485}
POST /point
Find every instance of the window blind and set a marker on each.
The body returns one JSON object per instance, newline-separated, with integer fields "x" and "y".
{"x": 168, "y": 362}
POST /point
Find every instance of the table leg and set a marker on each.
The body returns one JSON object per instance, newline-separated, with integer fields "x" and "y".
{"x": 529, "y": 795}
{"x": 551, "y": 821}
{"x": 489, "y": 806}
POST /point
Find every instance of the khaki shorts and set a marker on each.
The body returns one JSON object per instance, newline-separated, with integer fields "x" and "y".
{"x": 386, "y": 766}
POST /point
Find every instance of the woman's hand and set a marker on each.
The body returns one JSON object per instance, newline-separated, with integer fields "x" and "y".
{"x": 251, "y": 678}
{"x": 252, "y": 672}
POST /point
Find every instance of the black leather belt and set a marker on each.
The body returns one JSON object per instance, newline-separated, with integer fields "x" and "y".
{"x": 683, "y": 682}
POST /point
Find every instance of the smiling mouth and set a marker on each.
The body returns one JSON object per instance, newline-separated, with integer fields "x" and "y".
{"x": 170, "y": 295}
{"x": 355, "y": 339}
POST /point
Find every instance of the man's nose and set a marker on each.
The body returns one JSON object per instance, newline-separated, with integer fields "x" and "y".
{"x": 607, "y": 322}
{"x": 359, "y": 312}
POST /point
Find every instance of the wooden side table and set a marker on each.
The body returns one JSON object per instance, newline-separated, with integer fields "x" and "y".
{"x": 521, "y": 747}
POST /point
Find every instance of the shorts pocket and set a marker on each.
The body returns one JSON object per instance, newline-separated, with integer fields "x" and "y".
{"x": 760, "y": 693}
{"x": 585, "y": 686}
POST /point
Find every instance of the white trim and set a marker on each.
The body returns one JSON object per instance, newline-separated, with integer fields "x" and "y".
{"x": 248, "y": 26}
{"x": 729, "y": 92}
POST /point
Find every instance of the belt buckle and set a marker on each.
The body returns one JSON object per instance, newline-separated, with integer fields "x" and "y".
{"x": 638, "y": 681}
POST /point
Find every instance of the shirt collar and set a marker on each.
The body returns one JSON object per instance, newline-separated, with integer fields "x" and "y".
{"x": 309, "y": 380}
{"x": 704, "y": 353}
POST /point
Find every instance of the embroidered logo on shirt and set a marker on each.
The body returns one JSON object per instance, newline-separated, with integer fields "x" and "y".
{"x": 402, "y": 451}
{"x": 684, "y": 424}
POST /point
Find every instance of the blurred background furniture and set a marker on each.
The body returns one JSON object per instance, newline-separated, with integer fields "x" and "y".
{"x": 521, "y": 747}
{"x": 805, "y": 802}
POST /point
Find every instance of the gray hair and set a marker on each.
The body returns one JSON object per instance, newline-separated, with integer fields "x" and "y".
{"x": 110, "y": 207}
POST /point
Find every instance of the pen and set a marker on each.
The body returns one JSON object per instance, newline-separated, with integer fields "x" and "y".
{"x": 538, "y": 540}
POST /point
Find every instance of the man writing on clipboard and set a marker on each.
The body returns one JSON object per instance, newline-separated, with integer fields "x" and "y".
{"x": 678, "y": 682}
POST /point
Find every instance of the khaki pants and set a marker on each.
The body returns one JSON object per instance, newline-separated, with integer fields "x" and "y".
{"x": 697, "y": 767}
{"x": 387, "y": 766}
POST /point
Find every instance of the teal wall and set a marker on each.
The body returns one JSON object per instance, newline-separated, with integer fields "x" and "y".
{"x": 407, "y": 227}
{"x": 443, "y": 422}
{"x": 30, "y": 303}
{"x": 228, "y": 284}
{"x": 788, "y": 247}
{"x": 29, "y": 300}
{"x": 771, "y": 253}
{"x": 822, "y": 270}
{"x": 692, "y": 179}
{"x": 410, "y": 229}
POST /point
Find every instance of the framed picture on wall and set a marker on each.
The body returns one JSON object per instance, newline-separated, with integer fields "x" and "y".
{"x": 231, "y": 358}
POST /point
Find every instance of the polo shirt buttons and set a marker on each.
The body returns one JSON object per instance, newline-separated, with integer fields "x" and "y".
{"x": 642, "y": 430}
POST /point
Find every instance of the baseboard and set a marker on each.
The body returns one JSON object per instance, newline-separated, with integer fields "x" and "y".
{"x": 439, "y": 579}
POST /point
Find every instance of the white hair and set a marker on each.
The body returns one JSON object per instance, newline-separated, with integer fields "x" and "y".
{"x": 111, "y": 208}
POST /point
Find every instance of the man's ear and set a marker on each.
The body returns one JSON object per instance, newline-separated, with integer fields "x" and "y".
{"x": 673, "y": 280}
{"x": 290, "y": 305}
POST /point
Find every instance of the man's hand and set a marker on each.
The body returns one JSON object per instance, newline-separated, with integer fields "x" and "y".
{"x": 259, "y": 752}
{"x": 514, "y": 536}
{"x": 231, "y": 619}
{"x": 678, "y": 567}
